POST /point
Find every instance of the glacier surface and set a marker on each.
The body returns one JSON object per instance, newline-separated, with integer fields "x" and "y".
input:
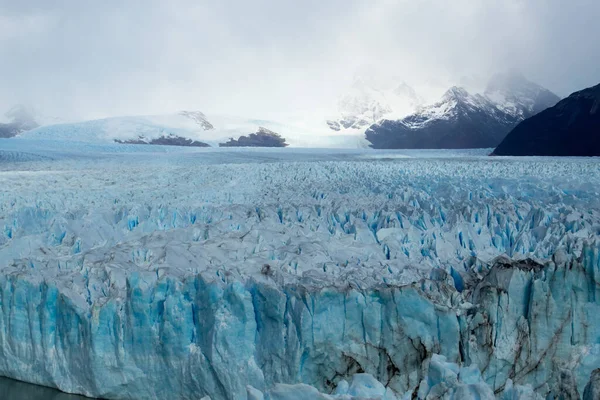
{"x": 184, "y": 273}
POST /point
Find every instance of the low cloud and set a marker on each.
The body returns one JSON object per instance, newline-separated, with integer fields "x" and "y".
{"x": 84, "y": 59}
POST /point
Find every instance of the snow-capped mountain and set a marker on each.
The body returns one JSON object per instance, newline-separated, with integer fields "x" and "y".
{"x": 464, "y": 120}
{"x": 371, "y": 100}
{"x": 458, "y": 120}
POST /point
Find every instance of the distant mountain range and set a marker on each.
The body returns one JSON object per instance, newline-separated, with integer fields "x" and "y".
{"x": 464, "y": 120}
{"x": 570, "y": 128}
{"x": 385, "y": 113}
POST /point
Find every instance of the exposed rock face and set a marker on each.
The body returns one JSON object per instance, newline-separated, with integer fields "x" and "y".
{"x": 199, "y": 118}
{"x": 262, "y": 138}
{"x": 464, "y": 120}
{"x": 170, "y": 140}
{"x": 571, "y": 128}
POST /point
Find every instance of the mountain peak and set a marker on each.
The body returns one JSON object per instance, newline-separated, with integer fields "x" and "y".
{"x": 516, "y": 95}
{"x": 456, "y": 92}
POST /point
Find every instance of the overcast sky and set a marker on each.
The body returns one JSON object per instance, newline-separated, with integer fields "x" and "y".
{"x": 262, "y": 58}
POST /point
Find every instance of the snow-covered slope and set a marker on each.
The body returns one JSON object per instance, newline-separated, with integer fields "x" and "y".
{"x": 162, "y": 276}
{"x": 464, "y": 120}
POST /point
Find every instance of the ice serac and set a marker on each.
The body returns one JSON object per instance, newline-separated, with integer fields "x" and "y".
{"x": 432, "y": 277}
{"x": 528, "y": 320}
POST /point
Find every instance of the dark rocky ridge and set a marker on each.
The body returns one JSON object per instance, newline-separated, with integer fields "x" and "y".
{"x": 9, "y": 130}
{"x": 170, "y": 140}
{"x": 571, "y": 128}
{"x": 262, "y": 138}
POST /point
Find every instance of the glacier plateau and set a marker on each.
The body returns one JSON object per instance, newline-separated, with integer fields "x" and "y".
{"x": 134, "y": 274}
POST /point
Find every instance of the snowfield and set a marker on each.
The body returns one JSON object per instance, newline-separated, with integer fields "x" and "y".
{"x": 142, "y": 272}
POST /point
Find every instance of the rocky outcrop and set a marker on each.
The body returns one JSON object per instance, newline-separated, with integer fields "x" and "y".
{"x": 262, "y": 138}
{"x": 170, "y": 140}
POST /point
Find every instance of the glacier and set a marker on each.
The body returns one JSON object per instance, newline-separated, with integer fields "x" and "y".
{"x": 193, "y": 125}
{"x": 130, "y": 273}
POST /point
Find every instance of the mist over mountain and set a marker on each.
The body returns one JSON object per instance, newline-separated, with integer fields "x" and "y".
{"x": 266, "y": 60}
